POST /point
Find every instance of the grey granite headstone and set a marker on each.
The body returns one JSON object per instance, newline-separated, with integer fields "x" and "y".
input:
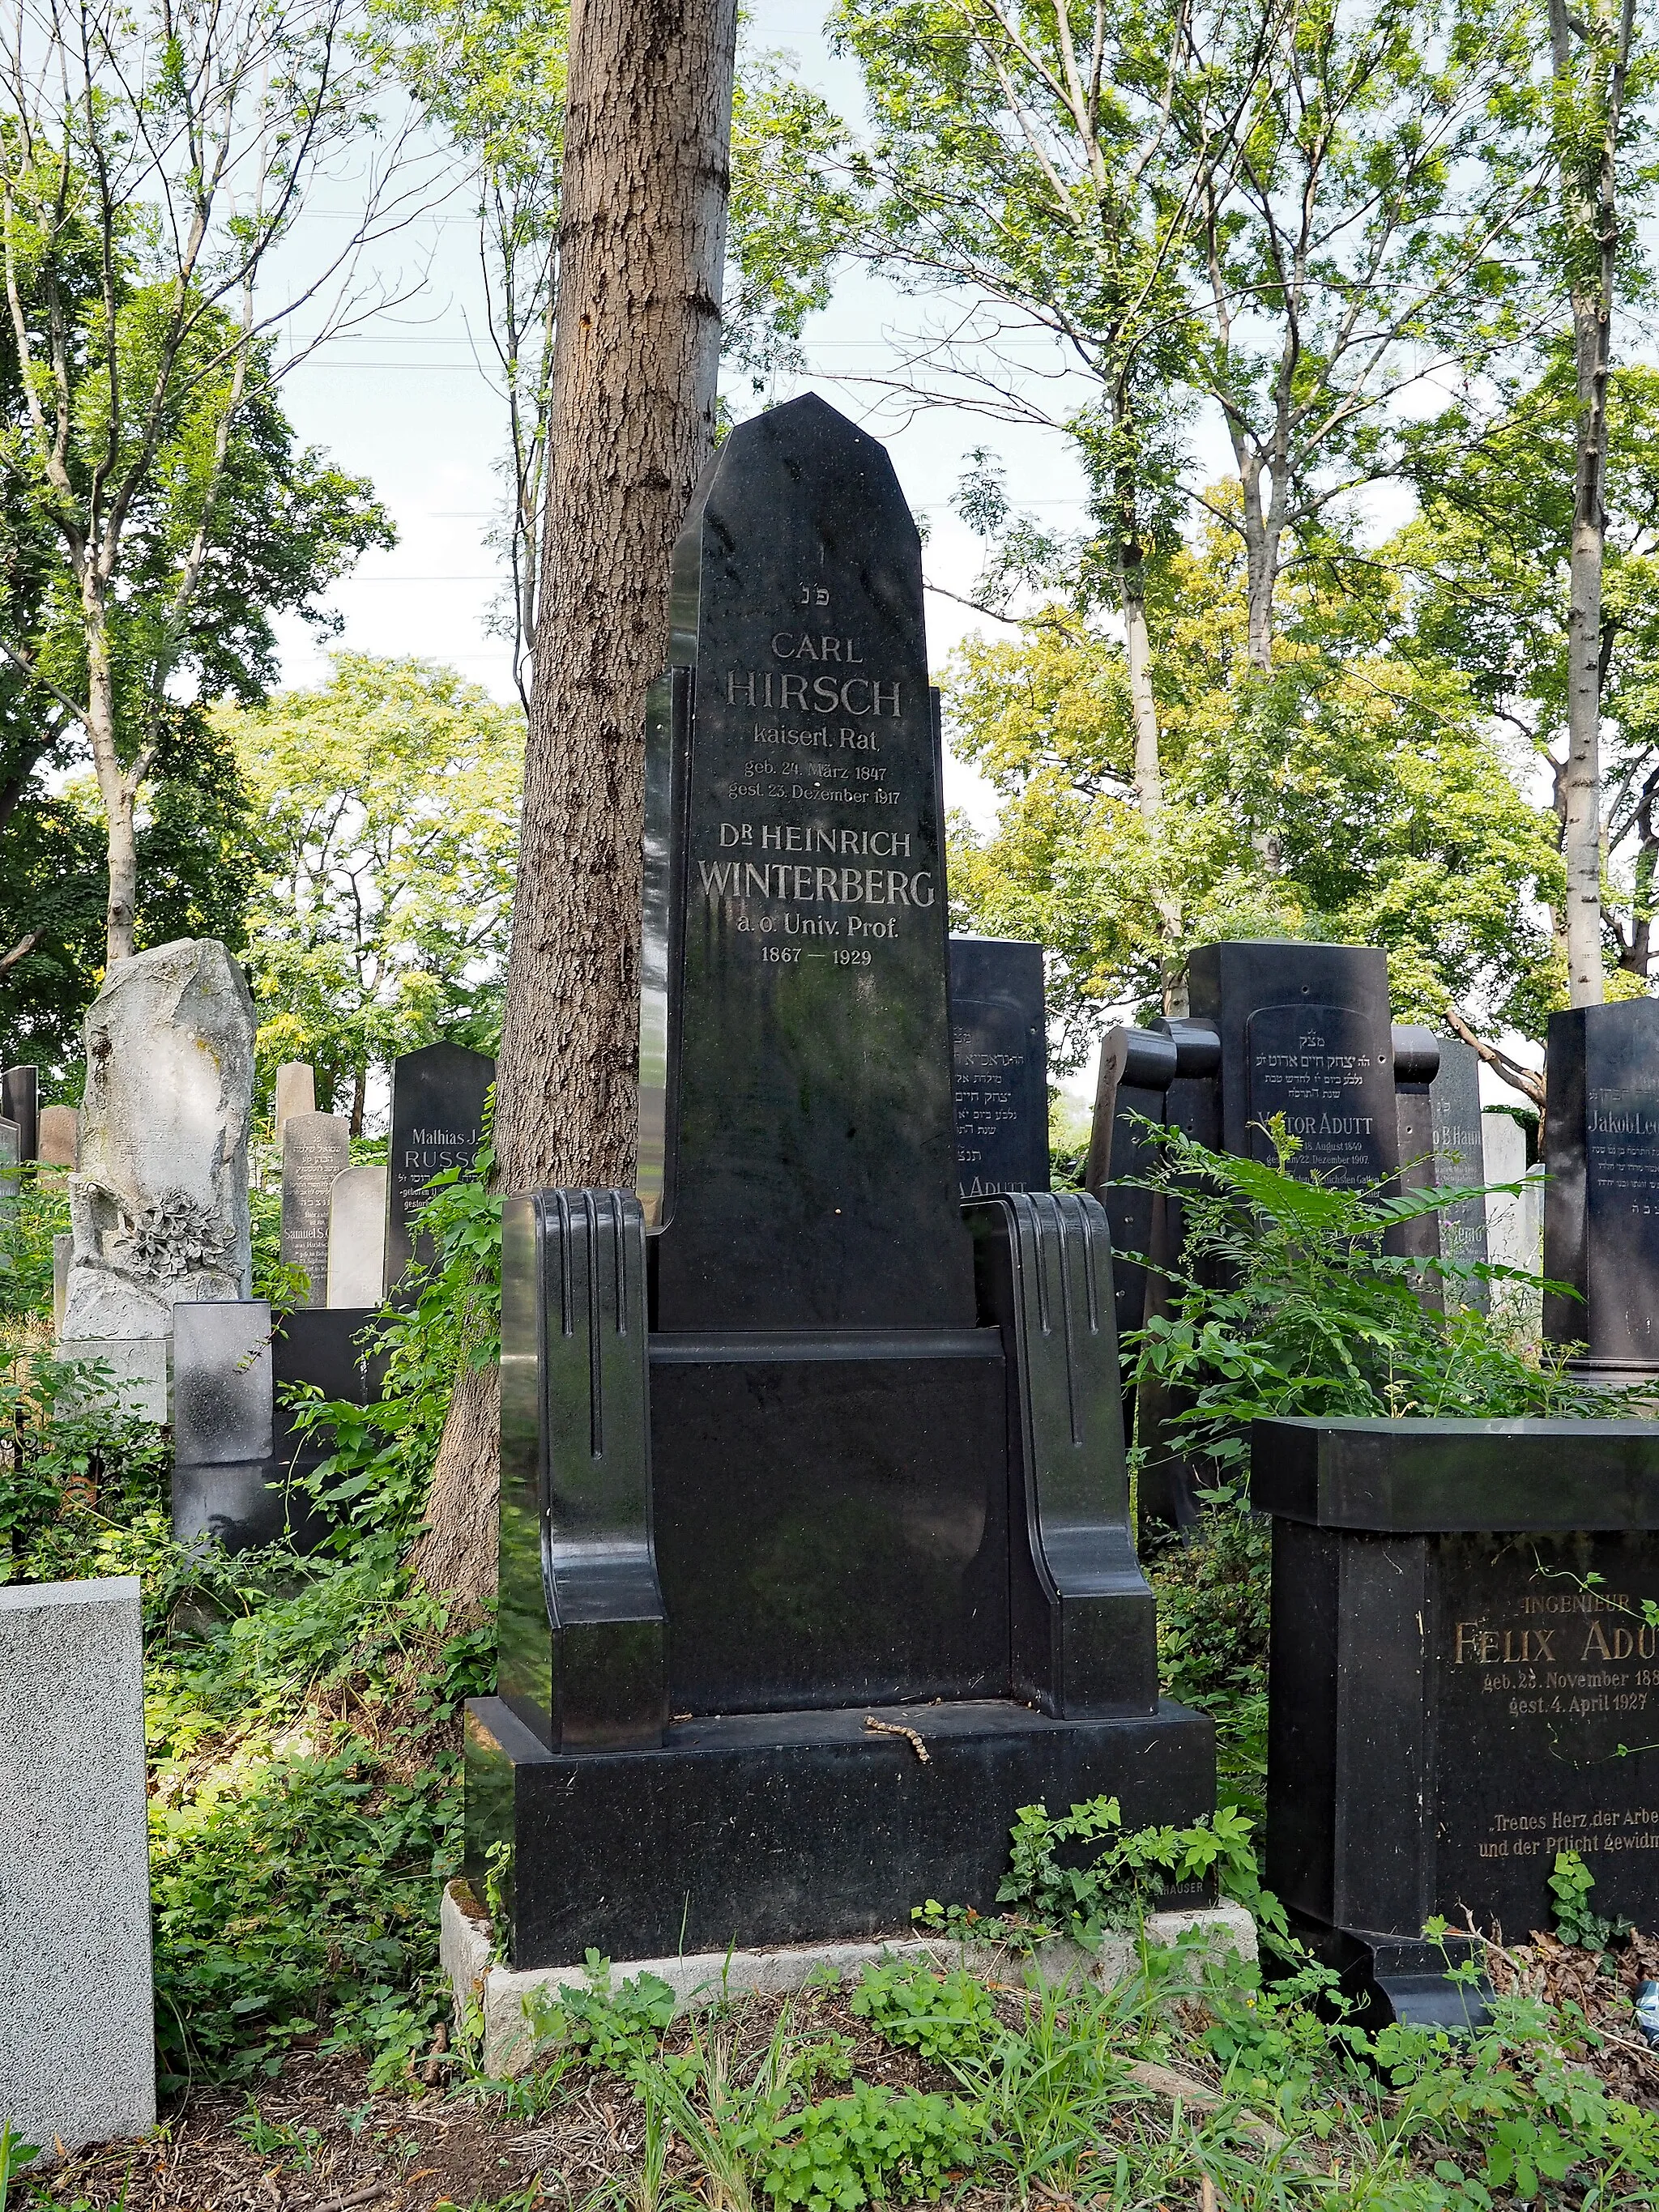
{"x": 221, "y": 1383}
{"x": 296, "y": 1092}
{"x": 158, "y": 1208}
{"x": 20, "y": 1102}
{"x": 77, "y": 2056}
{"x": 59, "y": 1135}
{"x": 1514, "y": 1223}
{"x": 316, "y": 1148}
{"x": 1460, "y": 1157}
{"x": 11, "y": 1153}
{"x": 356, "y": 1237}
{"x": 61, "y": 1249}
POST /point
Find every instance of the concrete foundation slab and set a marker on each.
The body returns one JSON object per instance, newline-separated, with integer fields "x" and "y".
{"x": 498, "y": 1994}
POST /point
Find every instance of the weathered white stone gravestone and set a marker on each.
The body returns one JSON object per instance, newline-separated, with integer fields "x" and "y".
{"x": 316, "y": 1149}
{"x": 356, "y": 1237}
{"x": 58, "y": 1128}
{"x": 77, "y": 2058}
{"x": 158, "y": 1209}
{"x": 296, "y": 1092}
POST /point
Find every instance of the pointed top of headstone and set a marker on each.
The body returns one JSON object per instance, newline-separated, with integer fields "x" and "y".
{"x": 296, "y": 1091}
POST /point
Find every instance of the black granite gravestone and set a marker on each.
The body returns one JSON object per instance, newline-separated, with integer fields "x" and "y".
{"x": 827, "y": 1456}
{"x": 1601, "y": 1194}
{"x": 1136, "y": 1068}
{"x": 999, "y": 1060}
{"x": 20, "y": 1102}
{"x": 1460, "y": 1157}
{"x": 1463, "y": 1683}
{"x": 1416, "y": 1063}
{"x": 1304, "y": 1032}
{"x": 438, "y": 1097}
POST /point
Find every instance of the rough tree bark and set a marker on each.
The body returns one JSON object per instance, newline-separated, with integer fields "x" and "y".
{"x": 1589, "y": 160}
{"x": 636, "y": 352}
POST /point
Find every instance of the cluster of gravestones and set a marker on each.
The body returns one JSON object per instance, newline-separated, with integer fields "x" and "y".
{"x": 152, "y": 1284}
{"x": 816, "y": 1553}
{"x": 240, "y": 1458}
{"x": 818, "y": 1558}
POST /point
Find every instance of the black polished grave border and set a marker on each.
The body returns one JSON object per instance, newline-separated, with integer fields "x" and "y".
{"x": 1382, "y": 1772}
{"x": 783, "y": 1828}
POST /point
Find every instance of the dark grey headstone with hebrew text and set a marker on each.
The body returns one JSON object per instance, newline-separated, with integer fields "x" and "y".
{"x": 998, "y": 1052}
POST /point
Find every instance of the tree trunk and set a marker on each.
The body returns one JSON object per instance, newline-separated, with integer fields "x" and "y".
{"x": 117, "y": 789}
{"x": 1589, "y": 200}
{"x": 641, "y": 252}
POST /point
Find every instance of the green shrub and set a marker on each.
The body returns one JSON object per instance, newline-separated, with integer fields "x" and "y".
{"x": 875, "y": 2144}
{"x": 942, "y": 2016}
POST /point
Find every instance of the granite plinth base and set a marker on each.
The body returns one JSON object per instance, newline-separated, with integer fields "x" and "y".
{"x": 767, "y": 1828}
{"x": 1387, "y": 1977}
{"x": 244, "y": 1504}
{"x": 506, "y": 1997}
{"x": 138, "y": 1368}
{"x": 1617, "y": 1375}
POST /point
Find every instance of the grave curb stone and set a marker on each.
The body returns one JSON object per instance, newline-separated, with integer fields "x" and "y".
{"x": 466, "y": 1956}
{"x": 77, "y": 2058}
